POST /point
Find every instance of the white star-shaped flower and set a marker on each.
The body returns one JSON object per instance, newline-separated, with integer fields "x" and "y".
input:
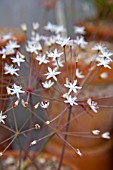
{"x": 59, "y": 29}
{"x": 2, "y": 117}
{"x": 79, "y": 30}
{"x": 3, "y": 51}
{"x": 54, "y": 28}
{"x": 32, "y": 48}
{"x": 57, "y": 37}
{"x": 71, "y": 100}
{"x": 52, "y": 39}
{"x": 80, "y": 41}
{"x": 54, "y": 55}
{"x": 9, "y": 48}
{"x": 7, "y": 36}
{"x": 17, "y": 59}
{"x": 106, "y": 54}
{"x": 36, "y": 38}
{"x": 72, "y": 86}
{"x": 43, "y": 37}
{"x": 63, "y": 41}
{"x": 12, "y": 45}
{"x": 9, "y": 69}
{"x": 42, "y": 59}
{"x": 47, "y": 42}
{"x": 47, "y": 84}
{"x": 103, "y": 62}
{"x": 92, "y": 105}
{"x": 16, "y": 90}
{"x": 99, "y": 47}
{"x": 34, "y": 45}
{"x": 49, "y": 27}
{"x": 52, "y": 73}
{"x": 9, "y": 51}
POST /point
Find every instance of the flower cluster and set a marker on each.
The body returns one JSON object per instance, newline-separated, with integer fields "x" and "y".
{"x": 60, "y": 71}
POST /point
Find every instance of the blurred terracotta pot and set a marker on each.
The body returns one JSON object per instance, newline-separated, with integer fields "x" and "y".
{"x": 94, "y": 158}
{"x": 98, "y": 32}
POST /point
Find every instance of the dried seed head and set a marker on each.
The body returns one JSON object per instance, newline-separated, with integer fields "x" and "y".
{"x": 33, "y": 33}
{"x": 33, "y": 142}
{"x": 106, "y": 135}
{"x": 8, "y": 91}
{"x": 24, "y": 27}
{"x": 36, "y": 106}
{"x": 78, "y": 152}
{"x": 1, "y": 153}
{"x": 21, "y": 55}
{"x": 95, "y": 132}
{"x": 4, "y": 56}
{"x": 104, "y": 75}
{"x": 37, "y": 126}
{"x": 64, "y": 95}
{"x": 24, "y": 104}
{"x": 16, "y": 103}
{"x": 35, "y": 26}
{"x": 47, "y": 122}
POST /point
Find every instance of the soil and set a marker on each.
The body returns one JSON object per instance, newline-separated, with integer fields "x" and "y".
{"x": 40, "y": 163}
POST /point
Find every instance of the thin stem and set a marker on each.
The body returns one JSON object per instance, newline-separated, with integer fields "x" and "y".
{"x": 31, "y": 123}
{"x": 65, "y": 57}
{"x": 7, "y": 139}
{"x": 65, "y": 138}
{"x": 8, "y": 128}
{"x": 9, "y": 144}
{"x": 44, "y": 137}
{"x": 20, "y": 158}
{"x": 27, "y": 120}
{"x": 15, "y": 121}
{"x": 44, "y": 19}
{"x": 46, "y": 142}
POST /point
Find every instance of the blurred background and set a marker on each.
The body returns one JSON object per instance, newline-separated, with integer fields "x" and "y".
{"x": 95, "y": 15}
{"x": 67, "y": 12}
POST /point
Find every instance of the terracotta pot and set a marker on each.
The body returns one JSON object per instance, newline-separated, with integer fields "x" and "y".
{"x": 16, "y": 35}
{"x": 94, "y": 158}
{"x": 98, "y": 31}
{"x": 43, "y": 155}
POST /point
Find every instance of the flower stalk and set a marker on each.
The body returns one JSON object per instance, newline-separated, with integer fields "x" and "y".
{"x": 65, "y": 139}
